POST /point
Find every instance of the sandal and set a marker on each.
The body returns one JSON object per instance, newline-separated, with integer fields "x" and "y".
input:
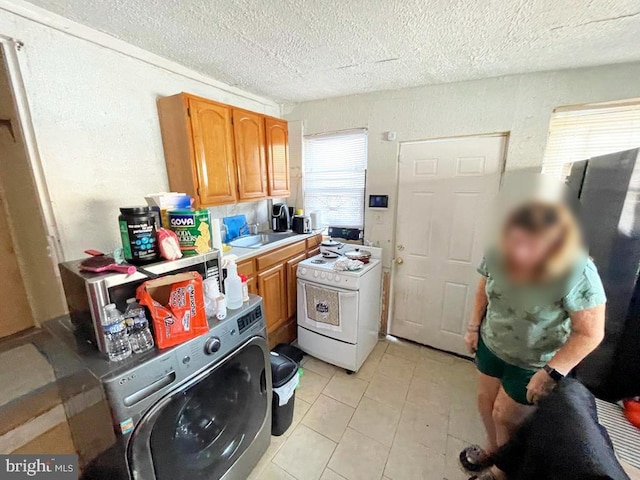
{"x": 475, "y": 459}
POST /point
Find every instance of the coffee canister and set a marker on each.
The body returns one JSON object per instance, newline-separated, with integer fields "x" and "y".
{"x": 139, "y": 235}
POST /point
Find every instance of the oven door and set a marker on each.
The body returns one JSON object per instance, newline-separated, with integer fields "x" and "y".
{"x": 315, "y": 299}
{"x": 203, "y": 427}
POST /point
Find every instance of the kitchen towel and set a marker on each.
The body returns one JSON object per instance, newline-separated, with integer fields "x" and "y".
{"x": 235, "y": 226}
{"x": 323, "y": 307}
{"x": 216, "y": 234}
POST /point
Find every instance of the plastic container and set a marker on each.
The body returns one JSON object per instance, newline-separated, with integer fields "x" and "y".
{"x": 115, "y": 334}
{"x": 140, "y": 336}
{"x": 138, "y": 230}
{"x": 284, "y": 376}
{"x": 245, "y": 288}
{"x": 215, "y": 304}
{"x": 233, "y": 287}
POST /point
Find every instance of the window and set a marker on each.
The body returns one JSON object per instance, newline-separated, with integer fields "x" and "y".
{"x": 335, "y": 167}
{"x": 580, "y": 133}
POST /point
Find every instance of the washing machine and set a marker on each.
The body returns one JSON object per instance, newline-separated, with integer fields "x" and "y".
{"x": 200, "y": 410}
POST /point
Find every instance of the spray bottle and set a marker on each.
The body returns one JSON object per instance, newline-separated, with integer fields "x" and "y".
{"x": 233, "y": 286}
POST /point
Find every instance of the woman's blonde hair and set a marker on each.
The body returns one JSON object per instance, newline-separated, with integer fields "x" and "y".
{"x": 556, "y": 224}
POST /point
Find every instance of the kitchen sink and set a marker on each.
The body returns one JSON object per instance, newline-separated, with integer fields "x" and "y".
{"x": 257, "y": 241}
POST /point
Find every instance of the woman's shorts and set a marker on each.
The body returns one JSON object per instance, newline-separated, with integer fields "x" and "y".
{"x": 514, "y": 379}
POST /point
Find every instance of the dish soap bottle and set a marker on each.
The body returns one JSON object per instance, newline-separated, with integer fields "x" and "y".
{"x": 233, "y": 287}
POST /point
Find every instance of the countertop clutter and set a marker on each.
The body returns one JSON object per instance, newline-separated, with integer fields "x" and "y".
{"x": 167, "y": 279}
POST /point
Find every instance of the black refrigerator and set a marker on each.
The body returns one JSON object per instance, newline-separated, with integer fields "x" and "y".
{"x": 607, "y": 190}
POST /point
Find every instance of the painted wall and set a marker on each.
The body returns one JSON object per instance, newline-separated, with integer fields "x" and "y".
{"x": 96, "y": 125}
{"x": 521, "y": 105}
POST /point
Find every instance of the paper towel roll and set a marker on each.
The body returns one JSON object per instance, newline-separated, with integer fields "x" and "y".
{"x": 216, "y": 238}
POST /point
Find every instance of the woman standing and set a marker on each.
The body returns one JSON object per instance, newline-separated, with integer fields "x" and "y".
{"x": 539, "y": 310}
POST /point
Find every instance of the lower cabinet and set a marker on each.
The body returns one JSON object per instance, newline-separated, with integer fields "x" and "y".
{"x": 272, "y": 286}
{"x": 292, "y": 292}
{"x": 273, "y": 277}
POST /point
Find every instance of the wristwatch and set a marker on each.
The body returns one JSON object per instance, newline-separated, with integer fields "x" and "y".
{"x": 555, "y": 375}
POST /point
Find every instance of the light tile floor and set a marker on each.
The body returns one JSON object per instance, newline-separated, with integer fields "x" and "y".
{"x": 405, "y": 415}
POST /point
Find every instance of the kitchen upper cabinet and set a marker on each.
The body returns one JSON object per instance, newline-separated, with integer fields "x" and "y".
{"x": 219, "y": 155}
{"x": 213, "y": 151}
{"x": 197, "y": 136}
{"x": 249, "y": 136}
{"x": 272, "y": 288}
{"x": 277, "y": 138}
{"x": 292, "y": 282}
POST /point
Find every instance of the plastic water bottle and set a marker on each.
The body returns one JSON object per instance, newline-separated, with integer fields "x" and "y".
{"x": 140, "y": 336}
{"x": 115, "y": 334}
{"x": 233, "y": 287}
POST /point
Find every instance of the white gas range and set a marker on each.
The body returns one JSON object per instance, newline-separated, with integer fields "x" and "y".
{"x": 339, "y": 311}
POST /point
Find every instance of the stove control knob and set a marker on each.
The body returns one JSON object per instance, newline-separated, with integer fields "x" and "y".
{"x": 337, "y": 278}
{"x": 212, "y": 345}
{"x": 323, "y": 275}
{"x": 330, "y": 276}
{"x": 315, "y": 274}
{"x": 303, "y": 271}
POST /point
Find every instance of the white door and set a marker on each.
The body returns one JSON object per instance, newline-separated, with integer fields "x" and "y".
{"x": 444, "y": 192}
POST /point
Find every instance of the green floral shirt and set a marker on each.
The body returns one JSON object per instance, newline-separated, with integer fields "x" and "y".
{"x": 525, "y": 325}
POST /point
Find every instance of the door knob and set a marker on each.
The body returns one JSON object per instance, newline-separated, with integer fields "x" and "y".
{"x": 400, "y": 247}
{"x": 399, "y": 261}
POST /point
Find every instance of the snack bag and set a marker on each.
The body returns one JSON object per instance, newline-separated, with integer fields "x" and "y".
{"x": 176, "y": 303}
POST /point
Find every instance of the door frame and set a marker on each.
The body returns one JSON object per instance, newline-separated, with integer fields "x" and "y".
{"x": 392, "y": 278}
{"x": 40, "y": 201}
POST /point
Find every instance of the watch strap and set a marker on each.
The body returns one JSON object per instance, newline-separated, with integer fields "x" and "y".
{"x": 553, "y": 373}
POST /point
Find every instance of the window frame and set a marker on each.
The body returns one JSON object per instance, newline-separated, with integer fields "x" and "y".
{"x": 305, "y": 180}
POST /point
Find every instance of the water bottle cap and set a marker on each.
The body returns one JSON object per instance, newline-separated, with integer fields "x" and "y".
{"x": 111, "y": 306}
{"x": 131, "y": 300}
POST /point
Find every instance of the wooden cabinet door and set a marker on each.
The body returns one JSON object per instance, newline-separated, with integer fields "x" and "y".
{"x": 252, "y": 285}
{"x": 213, "y": 151}
{"x": 292, "y": 291}
{"x": 277, "y": 157}
{"x": 248, "y": 133}
{"x": 273, "y": 289}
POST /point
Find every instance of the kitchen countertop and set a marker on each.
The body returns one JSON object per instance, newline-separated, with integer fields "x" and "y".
{"x": 245, "y": 253}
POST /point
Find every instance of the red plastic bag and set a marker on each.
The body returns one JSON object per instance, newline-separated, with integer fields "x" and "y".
{"x": 176, "y": 303}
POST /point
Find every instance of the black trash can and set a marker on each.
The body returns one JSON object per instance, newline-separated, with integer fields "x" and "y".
{"x": 284, "y": 375}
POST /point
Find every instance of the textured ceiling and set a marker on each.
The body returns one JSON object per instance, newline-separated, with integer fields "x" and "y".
{"x": 296, "y": 50}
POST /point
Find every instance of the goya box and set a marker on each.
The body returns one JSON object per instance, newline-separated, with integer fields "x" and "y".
{"x": 193, "y": 229}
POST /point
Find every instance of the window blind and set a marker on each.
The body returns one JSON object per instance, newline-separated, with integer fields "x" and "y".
{"x": 581, "y": 133}
{"x": 335, "y": 167}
